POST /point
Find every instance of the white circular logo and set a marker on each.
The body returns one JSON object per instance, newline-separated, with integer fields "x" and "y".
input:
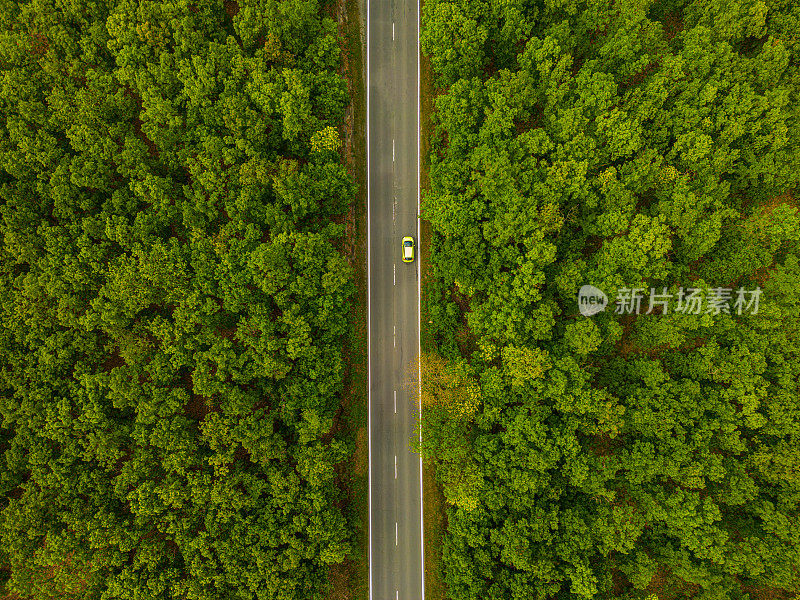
{"x": 591, "y": 300}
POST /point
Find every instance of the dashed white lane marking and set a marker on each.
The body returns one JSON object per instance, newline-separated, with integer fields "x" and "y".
{"x": 392, "y": 150}
{"x": 394, "y": 274}
{"x": 395, "y": 533}
{"x": 395, "y": 467}
{"x": 395, "y": 401}
{"x": 394, "y": 336}
{"x": 392, "y": 31}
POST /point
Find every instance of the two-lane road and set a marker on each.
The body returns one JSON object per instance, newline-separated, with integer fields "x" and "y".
{"x": 396, "y": 563}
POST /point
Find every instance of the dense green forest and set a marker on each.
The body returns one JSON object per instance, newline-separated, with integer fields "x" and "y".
{"x": 173, "y": 298}
{"x": 623, "y": 144}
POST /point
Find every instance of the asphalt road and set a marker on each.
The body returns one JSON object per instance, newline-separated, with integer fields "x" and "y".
{"x": 395, "y": 483}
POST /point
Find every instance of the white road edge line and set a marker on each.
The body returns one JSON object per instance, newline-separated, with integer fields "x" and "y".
{"x": 369, "y": 331}
{"x": 419, "y": 322}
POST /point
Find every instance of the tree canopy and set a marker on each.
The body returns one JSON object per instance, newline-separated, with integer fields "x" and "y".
{"x": 641, "y": 145}
{"x": 173, "y": 298}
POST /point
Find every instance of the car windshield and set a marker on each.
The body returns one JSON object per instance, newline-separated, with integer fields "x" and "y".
{"x": 407, "y": 244}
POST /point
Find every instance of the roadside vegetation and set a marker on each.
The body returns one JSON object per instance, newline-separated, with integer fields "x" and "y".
{"x": 174, "y": 300}
{"x": 433, "y": 507}
{"x": 629, "y": 145}
{"x": 349, "y": 580}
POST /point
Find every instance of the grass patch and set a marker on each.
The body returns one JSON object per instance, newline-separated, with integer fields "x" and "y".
{"x": 350, "y": 579}
{"x": 427, "y": 340}
{"x": 435, "y": 526}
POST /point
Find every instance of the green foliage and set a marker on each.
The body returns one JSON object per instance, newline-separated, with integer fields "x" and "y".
{"x": 173, "y": 302}
{"x": 644, "y": 145}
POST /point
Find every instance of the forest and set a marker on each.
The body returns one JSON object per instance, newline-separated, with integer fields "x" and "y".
{"x": 173, "y": 299}
{"x": 625, "y": 145}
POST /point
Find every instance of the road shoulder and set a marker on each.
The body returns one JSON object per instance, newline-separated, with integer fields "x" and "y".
{"x": 350, "y": 579}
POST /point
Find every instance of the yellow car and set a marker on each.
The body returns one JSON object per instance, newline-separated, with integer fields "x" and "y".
{"x": 408, "y": 249}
